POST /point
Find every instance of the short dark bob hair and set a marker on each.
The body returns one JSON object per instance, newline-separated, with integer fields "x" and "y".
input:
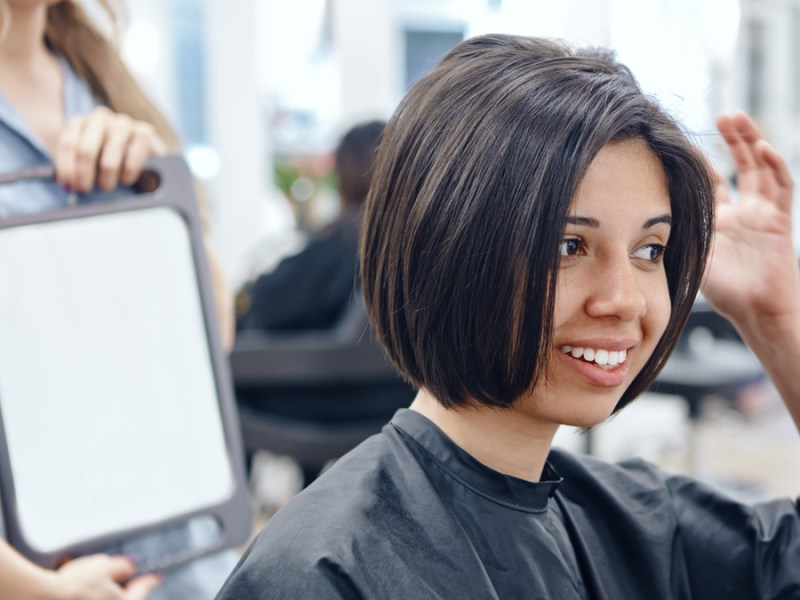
{"x": 471, "y": 189}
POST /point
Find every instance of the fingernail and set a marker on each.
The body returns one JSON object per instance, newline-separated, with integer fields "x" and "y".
{"x": 66, "y": 187}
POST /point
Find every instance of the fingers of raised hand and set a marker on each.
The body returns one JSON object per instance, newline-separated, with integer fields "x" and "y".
{"x": 780, "y": 175}
{"x": 740, "y": 136}
{"x": 761, "y": 170}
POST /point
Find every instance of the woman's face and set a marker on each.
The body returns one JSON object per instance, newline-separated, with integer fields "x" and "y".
{"x": 612, "y": 299}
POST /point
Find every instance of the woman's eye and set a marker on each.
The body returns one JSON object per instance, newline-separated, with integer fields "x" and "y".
{"x": 651, "y": 252}
{"x": 570, "y": 247}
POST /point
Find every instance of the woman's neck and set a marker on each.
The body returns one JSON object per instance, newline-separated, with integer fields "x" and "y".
{"x": 24, "y": 43}
{"x": 501, "y": 439}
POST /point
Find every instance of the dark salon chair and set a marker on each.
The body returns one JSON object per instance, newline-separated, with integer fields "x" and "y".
{"x": 314, "y": 395}
{"x": 710, "y": 361}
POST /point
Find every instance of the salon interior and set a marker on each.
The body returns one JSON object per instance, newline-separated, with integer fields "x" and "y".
{"x": 261, "y": 90}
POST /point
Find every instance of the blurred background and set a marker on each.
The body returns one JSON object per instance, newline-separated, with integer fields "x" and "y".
{"x": 261, "y": 90}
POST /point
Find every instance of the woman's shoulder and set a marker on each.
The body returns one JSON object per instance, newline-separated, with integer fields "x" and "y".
{"x": 378, "y": 477}
{"x": 629, "y": 481}
{"x": 362, "y": 512}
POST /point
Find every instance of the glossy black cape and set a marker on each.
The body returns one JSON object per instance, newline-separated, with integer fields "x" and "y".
{"x": 410, "y": 515}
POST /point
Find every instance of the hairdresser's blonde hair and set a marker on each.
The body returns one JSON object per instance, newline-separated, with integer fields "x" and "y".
{"x": 96, "y": 59}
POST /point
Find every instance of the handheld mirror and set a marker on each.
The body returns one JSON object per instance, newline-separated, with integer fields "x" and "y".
{"x": 116, "y": 411}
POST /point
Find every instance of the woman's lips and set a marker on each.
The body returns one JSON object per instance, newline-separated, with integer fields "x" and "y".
{"x": 595, "y": 365}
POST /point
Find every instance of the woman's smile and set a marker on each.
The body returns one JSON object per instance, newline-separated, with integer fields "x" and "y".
{"x": 599, "y": 365}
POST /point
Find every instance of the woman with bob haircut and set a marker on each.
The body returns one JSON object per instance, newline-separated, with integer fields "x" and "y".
{"x": 535, "y": 236}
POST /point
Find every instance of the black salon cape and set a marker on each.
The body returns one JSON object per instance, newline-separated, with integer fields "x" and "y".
{"x": 409, "y": 515}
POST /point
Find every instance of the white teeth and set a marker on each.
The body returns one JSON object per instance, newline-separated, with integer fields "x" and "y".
{"x": 602, "y": 357}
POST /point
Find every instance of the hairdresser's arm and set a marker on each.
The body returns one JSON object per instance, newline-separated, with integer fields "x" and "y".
{"x": 753, "y": 278}
{"x": 108, "y": 149}
{"x": 223, "y": 297}
{"x": 91, "y": 578}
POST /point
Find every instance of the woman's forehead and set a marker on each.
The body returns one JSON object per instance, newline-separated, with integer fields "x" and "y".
{"x": 625, "y": 175}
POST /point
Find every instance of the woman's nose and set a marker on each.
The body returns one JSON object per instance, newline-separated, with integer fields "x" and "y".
{"x": 617, "y": 292}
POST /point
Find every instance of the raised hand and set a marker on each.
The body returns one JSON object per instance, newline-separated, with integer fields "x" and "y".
{"x": 104, "y": 148}
{"x": 753, "y": 277}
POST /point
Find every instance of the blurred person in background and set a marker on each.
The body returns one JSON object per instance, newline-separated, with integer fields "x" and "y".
{"x": 309, "y": 290}
{"x": 67, "y": 100}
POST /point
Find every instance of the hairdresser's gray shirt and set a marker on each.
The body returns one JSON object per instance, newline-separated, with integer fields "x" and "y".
{"x": 409, "y": 515}
{"x": 21, "y": 149}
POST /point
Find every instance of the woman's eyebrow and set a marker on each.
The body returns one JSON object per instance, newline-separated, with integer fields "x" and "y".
{"x": 656, "y": 220}
{"x": 584, "y": 221}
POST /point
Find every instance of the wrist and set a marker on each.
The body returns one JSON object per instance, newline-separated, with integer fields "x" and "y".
{"x": 776, "y": 343}
{"x": 49, "y": 586}
{"x": 759, "y": 329}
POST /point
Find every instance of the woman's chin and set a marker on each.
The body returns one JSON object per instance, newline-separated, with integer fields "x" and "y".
{"x": 587, "y": 418}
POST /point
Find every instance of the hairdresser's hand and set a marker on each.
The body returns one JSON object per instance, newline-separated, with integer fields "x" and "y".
{"x": 753, "y": 278}
{"x": 105, "y": 149}
{"x": 98, "y": 577}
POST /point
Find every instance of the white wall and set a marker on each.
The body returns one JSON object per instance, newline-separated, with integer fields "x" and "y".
{"x": 147, "y": 51}
{"x": 238, "y": 130}
{"x": 364, "y": 35}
